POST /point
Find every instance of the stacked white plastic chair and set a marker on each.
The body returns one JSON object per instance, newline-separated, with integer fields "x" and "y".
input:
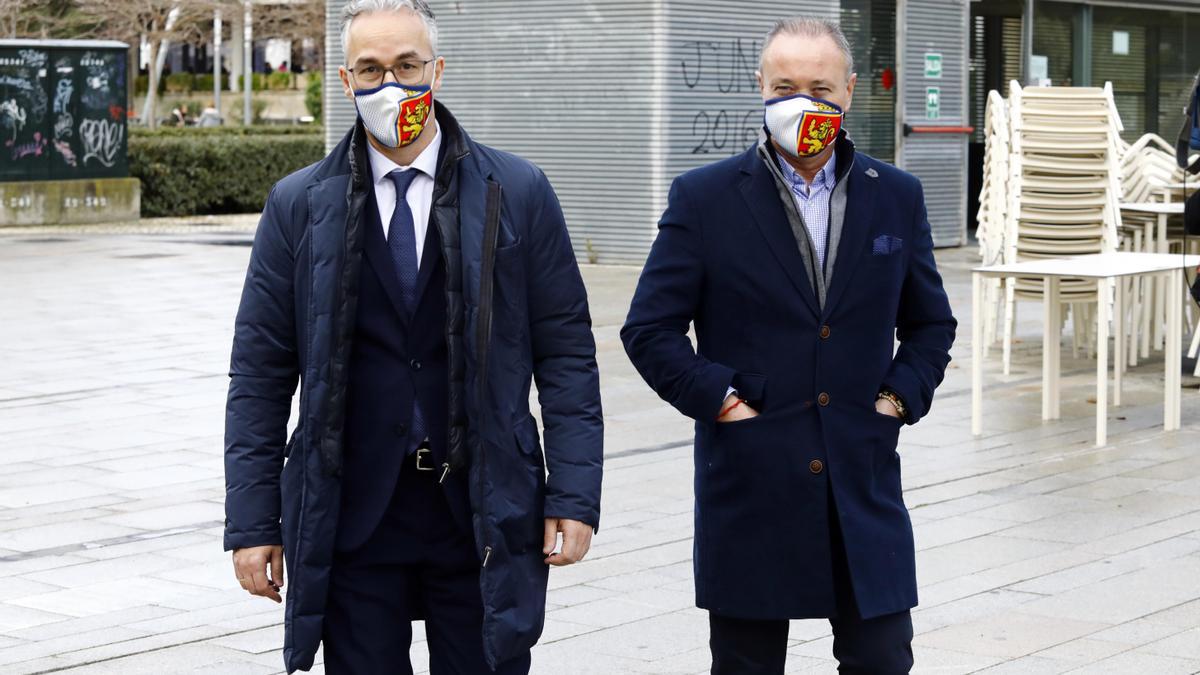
{"x": 993, "y": 198}
{"x": 1148, "y": 170}
{"x": 1063, "y": 188}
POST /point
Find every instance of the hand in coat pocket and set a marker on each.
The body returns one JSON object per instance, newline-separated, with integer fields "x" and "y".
{"x": 736, "y": 411}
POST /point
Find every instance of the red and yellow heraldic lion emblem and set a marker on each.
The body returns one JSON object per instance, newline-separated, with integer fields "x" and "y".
{"x": 414, "y": 112}
{"x": 818, "y": 128}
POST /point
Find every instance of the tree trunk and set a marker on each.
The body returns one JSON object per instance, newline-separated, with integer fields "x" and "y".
{"x": 149, "y": 114}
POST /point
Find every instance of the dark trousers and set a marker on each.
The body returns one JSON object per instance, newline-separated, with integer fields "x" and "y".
{"x": 877, "y": 646}
{"x": 418, "y": 564}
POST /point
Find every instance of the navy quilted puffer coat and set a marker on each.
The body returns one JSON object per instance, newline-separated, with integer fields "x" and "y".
{"x": 517, "y": 310}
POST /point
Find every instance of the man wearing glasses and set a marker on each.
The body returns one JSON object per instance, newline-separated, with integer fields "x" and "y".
{"x": 413, "y": 281}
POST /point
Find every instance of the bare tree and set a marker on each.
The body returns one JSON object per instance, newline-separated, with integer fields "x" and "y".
{"x": 159, "y": 22}
{"x": 295, "y": 20}
{"x": 37, "y": 18}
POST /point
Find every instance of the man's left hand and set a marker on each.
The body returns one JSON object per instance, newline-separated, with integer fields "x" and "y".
{"x": 886, "y": 407}
{"x": 577, "y": 539}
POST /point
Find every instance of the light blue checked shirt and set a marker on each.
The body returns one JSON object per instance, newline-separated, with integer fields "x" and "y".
{"x": 813, "y": 201}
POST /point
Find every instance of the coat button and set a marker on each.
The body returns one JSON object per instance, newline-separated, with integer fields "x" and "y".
{"x": 816, "y": 466}
{"x": 415, "y": 364}
{"x": 823, "y": 399}
{"x": 824, "y": 332}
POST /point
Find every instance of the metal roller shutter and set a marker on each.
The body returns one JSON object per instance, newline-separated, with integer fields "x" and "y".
{"x": 939, "y": 160}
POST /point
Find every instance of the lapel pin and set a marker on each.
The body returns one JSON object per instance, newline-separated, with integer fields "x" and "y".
{"x": 872, "y": 173}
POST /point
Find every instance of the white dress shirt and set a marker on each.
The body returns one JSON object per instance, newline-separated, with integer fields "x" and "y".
{"x": 420, "y": 192}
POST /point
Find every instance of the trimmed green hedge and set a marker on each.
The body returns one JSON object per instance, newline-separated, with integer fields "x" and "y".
{"x": 229, "y": 130}
{"x": 197, "y": 172}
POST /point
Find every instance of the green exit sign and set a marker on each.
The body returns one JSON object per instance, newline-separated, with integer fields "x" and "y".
{"x": 933, "y": 64}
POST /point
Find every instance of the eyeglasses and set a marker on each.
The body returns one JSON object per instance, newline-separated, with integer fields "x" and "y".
{"x": 409, "y": 71}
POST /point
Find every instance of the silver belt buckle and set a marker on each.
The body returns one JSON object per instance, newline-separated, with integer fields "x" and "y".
{"x": 421, "y": 454}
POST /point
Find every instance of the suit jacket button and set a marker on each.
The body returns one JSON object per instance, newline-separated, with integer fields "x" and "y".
{"x": 415, "y": 364}
{"x": 823, "y": 399}
{"x": 816, "y": 466}
{"x": 824, "y": 332}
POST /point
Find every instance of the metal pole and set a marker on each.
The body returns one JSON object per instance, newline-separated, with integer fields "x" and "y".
{"x": 217, "y": 61}
{"x": 1027, "y": 45}
{"x": 247, "y": 66}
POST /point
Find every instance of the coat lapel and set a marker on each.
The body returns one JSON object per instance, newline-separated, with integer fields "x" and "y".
{"x": 860, "y": 204}
{"x": 762, "y": 198}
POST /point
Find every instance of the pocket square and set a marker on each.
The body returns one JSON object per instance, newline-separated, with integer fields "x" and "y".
{"x": 886, "y": 244}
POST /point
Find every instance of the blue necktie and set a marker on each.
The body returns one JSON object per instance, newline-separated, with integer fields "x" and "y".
{"x": 402, "y": 243}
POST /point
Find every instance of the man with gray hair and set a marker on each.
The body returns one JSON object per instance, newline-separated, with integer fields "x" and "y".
{"x": 798, "y": 262}
{"x": 413, "y": 282}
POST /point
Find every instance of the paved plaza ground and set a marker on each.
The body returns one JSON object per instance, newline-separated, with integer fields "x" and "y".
{"x": 1037, "y": 553}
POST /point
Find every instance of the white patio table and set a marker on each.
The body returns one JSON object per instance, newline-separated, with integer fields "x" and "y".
{"x": 1105, "y": 268}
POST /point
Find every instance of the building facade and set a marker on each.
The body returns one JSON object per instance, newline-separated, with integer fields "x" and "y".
{"x": 613, "y": 98}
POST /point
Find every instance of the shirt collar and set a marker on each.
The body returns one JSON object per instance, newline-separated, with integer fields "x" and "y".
{"x": 826, "y": 177}
{"x": 426, "y": 162}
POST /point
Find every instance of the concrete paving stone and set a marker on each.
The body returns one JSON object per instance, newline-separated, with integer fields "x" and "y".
{"x": 606, "y": 612}
{"x": 49, "y": 664}
{"x": 1182, "y": 615}
{"x": 125, "y": 437}
{"x": 1114, "y": 487}
{"x": 978, "y": 554}
{"x": 936, "y": 661}
{"x": 652, "y": 639}
{"x": 62, "y": 512}
{"x": 165, "y": 541}
{"x": 96, "y": 571}
{"x": 66, "y": 644}
{"x": 555, "y": 631}
{"x": 167, "y": 517}
{"x": 60, "y": 534}
{"x": 956, "y": 528}
{"x": 78, "y": 457}
{"x": 71, "y": 625}
{"x": 1009, "y": 635}
{"x": 108, "y": 596}
{"x": 1138, "y": 662}
{"x": 16, "y": 563}
{"x": 565, "y": 657}
{"x": 1147, "y": 533}
{"x": 637, "y": 581}
{"x": 231, "y": 668}
{"x": 18, "y": 587}
{"x": 148, "y": 460}
{"x": 1083, "y": 650}
{"x": 1028, "y": 665}
{"x": 668, "y": 598}
{"x": 694, "y": 660}
{"x": 259, "y": 641}
{"x": 1128, "y": 596}
{"x": 1075, "y": 527}
{"x": 219, "y": 575}
{"x": 1137, "y": 632}
{"x": 14, "y": 617}
{"x": 1107, "y": 568}
{"x": 1185, "y": 645}
{"x": 154, "y": 659}
{"x": 967, "y": 504}
{"x": 245, "y": 612}
{"x": 578, "y": 594}
{"x": 970, "y": 608}
{"x": 26, "y": 475}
